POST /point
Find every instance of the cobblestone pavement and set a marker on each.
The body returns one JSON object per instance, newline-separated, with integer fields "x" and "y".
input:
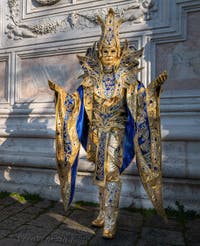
{"x": 45, "y": 223}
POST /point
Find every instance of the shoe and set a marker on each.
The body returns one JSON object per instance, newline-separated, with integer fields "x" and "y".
{"x": 99, "y": 221}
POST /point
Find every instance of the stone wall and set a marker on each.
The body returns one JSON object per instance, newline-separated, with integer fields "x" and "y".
{"x": 39, "y": 40}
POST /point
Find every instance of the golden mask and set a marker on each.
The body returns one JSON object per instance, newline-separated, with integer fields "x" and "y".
{"x": 109, "y": 44}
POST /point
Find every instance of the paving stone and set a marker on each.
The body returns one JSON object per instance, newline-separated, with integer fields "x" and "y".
{"x": 72, "y": 231}
{"x": 29, "y": 233}
{"x": 130, "y": 221}
{"x": 4, "y": 215}
{"x": 47, "y": 243}
{"x": 84, "y": 216}
{"x": 125, "y": 238}
{"x": 4, "y": 233}
{"x": 7, "y": 201}
{"x": 58, "y": 208}
{"x": 33, "y": 210}
{"x": 47, "y": 225}
{"x": 74, "y": 237}
{"x": 2, "y": 207}
{"x": 155, "y": 236}
{"x": 11, "y": 224}
{"x": 14, "y": 242}
{"x": 23, "y": 217}
{"x": 21, "y": 206}
{"x": 193, "y": 232}
{"x": 11, "y": 210}
{"x": 70, "y": 224}
{"x": 158, "y": 222}
{"x": 47, "y": 220}
{"x": 43, "y": 204}
{"x": 16, "y": 221}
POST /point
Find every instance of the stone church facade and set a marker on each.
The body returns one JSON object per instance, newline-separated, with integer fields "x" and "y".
{"x": 39, "y": 40}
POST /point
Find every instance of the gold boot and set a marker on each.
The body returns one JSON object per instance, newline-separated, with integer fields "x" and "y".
{"x": 112, "y": 195}
{"x": 99, "y": 221}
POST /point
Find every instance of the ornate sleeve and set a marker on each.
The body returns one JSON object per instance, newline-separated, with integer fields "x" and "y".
{"x": 144, "y": 104}
{"x": 67, "y": 142}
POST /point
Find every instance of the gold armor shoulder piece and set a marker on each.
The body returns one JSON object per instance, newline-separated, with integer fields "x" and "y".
{"x": 90, "y": 63}
{"x": 130, "y": 57}
{"x": 87, "y": 82}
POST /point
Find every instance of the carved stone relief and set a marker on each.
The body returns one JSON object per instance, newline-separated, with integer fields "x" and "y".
{"x": 140, "y": 11}
{"x": 46, "y": 2}
{"x": 137, "y": 12}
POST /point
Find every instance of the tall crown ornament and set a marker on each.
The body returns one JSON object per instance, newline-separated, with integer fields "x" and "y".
{"x": 110, "y": 32}
{"x": 127, "y": 57}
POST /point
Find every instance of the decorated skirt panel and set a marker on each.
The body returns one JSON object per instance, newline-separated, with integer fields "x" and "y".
{"x": 109, "y": 156}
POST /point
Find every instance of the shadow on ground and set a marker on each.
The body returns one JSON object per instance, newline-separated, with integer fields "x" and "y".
{"x": 32, "y": 221}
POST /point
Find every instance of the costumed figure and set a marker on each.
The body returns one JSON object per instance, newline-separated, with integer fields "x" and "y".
{"x": 114, "y": 117}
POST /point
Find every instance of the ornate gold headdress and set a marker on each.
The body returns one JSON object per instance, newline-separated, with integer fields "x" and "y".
{"x": 128, "y": 57}
{"x": 110, "y": 31}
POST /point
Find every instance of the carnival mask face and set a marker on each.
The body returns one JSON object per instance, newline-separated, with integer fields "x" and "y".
{"x": 109, "y": 56}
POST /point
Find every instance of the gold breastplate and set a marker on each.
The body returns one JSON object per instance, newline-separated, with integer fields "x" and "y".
{"x": 110, "y": 86}
{"x": 109, "y": 113}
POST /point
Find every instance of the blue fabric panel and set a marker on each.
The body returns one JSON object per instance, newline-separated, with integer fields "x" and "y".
{"x": 128, "y": 146}
{"x": 73, "y": 179}
{"x": 82, "y": 125}
{"x": 82, "y": 128}
{"x": 101, "y": 157}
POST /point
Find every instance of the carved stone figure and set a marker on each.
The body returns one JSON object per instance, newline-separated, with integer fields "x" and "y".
{"x": 139, "y": 12}
{"x": 17, "y": 32}
{"x": 115, "y": 118}
{"x": 72, "y": 19}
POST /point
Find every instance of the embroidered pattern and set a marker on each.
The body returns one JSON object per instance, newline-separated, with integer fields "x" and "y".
{"x": 109, "y": 82}
{"x": 67, "y": 142}
{"x": 111, "y": 115}
{"x": 142, "y": 126}
{"x": 69, "y": 103}
{"x": 101, "y": 157}
{"x": 112, "y": 194}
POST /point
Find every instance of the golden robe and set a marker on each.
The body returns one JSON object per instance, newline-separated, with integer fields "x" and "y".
{"x": 115, "y": 118}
